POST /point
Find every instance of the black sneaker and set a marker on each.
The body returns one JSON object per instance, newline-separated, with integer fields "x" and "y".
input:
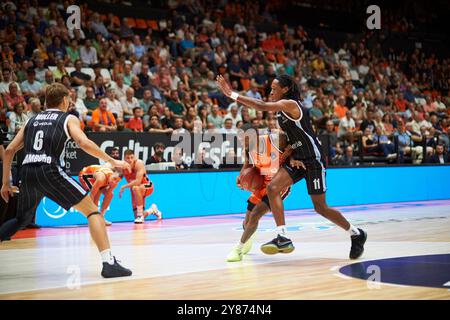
{"x": 358, "y": 244}
{"x": 278, "y": 245}
{"x": 114, "y": 270}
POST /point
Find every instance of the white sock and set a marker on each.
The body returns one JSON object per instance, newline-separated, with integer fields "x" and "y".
{"x": 240, "y": 245}
{"x": 140, "y": 211}
{"x": 353, "y": 230}
{"x": 107, "y": 256}
{"x": 281, "y": 230}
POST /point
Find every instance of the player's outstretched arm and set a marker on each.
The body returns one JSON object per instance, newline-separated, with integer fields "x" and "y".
{"x": 89, "y": 146}
{"x": 10, "y": 151}
{"x": 290, "y": 107}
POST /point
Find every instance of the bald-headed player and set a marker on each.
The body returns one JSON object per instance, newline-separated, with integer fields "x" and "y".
{"x": 140, "y": 186}
{"x": 44, "y": 139}
{"x": 100, "y": 180}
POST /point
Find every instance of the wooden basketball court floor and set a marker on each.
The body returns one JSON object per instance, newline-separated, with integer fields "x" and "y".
{"x": 185, "y": 258}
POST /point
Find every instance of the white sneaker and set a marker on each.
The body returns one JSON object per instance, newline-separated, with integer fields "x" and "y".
{"x": 156, "y": 212}
{"x": 108, "y": 223}
{"x": 139, "y": 220}
{"x": 153, "y": 210}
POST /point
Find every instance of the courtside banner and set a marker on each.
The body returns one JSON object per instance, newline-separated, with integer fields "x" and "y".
{"x": 214, "y": 192}
{"x": 215, "y": 146}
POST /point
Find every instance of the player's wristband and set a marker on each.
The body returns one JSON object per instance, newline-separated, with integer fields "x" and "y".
{"x": 234, "y": 95}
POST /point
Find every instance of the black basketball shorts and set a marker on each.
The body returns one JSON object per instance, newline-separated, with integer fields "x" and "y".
{"x": 315, "y": 175}
{"x": 39, "y": 181}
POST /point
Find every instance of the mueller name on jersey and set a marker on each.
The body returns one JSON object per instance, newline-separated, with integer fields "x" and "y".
{"x": 48, "y": 116}
{"x": 37, "y": 158}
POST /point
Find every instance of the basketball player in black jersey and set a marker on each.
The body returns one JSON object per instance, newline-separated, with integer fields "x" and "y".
{"x": 44, "y": 139}
{"x": 307, "y": 161}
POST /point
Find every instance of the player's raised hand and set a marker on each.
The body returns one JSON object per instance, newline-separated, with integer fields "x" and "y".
{"x": 224, "y": 86}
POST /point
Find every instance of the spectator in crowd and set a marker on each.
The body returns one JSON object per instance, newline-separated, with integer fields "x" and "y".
{"x": 347, "y": 128}
{"x": 60, "y": 70}
{"x": 147, "y": 100}
{"x": 228, "y": 127}
{"x": 91, "y": 102}
{"x": 136, "y": 124}
{"x": 178, "y": 125}
{"x": 215, "y": 120}
{"x": 119, "y": 86}
{"x": 378, "y": 144}
{"x": 158, "y": 155}
{"x": 347, "y": 159}
{"x": 177, "y": 157}
{"x": 7, "y": 79}
{"x": 316, "y": 113}
{"x": 201, "y": 162}
{"x": 340, "y": 110}
{"x": 254, "y": 93}
{"x": 439, "y": 156}
{"x": 78, "y": 76}
{"x": 88, "y": 54}
{"x": 31, "y": 87}
{"x": 175, "y": 105}
{"x": 48, "y": 79}
{"x": 233, "y": 115}
{"x": 129, "y": 102}
{"x": 333, "y": 142}
{"x": 80, "y": 108}
{"x": 103, "y": 120}
{"x": 121, "y": 126}
{"x": 113, "y": 105}
{"x": 14, "y": 97}
{"x": 368, "y": 122}
{"x": 17, "y": 119}
{"x": 99, "y": 87}
{"x": 40, "y": 70}
{"x": 35, "y": 108}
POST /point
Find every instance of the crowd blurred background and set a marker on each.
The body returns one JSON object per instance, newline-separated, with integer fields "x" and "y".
{"x": 368, "y": 101}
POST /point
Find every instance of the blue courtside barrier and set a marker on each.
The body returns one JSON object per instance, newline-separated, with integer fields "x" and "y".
{"x": 190, "y": 194}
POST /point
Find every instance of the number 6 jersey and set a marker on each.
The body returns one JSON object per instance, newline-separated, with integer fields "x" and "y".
{"x": 45, "y": 138}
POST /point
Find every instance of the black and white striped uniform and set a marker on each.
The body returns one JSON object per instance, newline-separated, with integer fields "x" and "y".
{"x": 45, "y": 139}
{"x": 307, "y": 148}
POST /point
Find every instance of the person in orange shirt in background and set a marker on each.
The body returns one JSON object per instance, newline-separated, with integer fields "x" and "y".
{"x": 340, "y": 109}
{"x": 136, "y": 123}
{"x": 100, "y": 180}
{"x": 103, "y": 120}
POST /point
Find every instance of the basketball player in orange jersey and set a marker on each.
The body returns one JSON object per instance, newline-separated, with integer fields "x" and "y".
{"x": 141, "y": 187}
{"x": 99, "y": 180}
{"x": 274, "y": 151}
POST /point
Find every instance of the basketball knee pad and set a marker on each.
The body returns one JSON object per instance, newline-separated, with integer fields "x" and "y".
{"x": 93, "y": 213}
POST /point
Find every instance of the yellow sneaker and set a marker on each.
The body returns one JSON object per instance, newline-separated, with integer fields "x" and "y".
{"x": 235, "y": 255}
{"x": 247, "y": 246}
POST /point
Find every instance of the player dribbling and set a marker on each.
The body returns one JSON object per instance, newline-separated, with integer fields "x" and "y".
{"x": 265, "y": 152}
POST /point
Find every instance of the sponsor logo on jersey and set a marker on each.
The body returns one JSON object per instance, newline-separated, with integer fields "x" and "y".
{"x": 297, "y": 144}
{"x": 37, "y": 158}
